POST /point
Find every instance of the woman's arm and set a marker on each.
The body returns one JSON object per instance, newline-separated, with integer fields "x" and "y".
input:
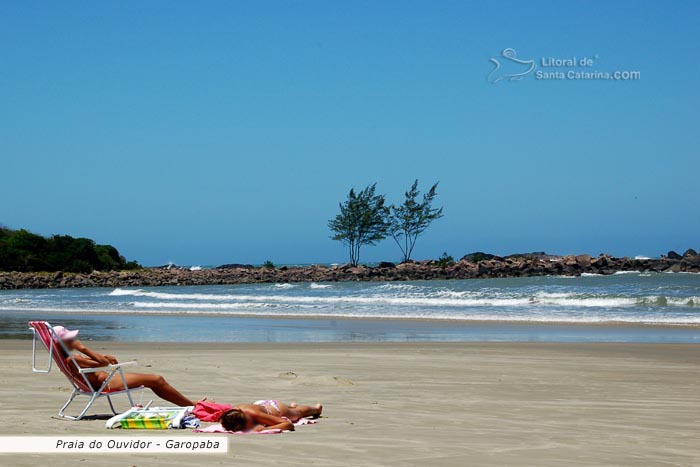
{"x": 101, "y": 360}
{"x": 270, "y": 422}
{"x": 83, "y": 362}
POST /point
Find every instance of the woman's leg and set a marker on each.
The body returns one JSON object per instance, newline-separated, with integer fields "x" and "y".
{"x": 155, "y": 383}
{"x": 294, "y": 412}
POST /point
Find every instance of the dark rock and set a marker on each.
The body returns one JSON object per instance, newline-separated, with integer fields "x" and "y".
{"x": 689, "y": 253}
{"x": 601, "y": 261}
{"x": 532, "y": 255}
{"x": 477, "y": 257}
{"x": 235, "y": 266}
{"x": 673, "y": 255}
{"x": 386, "y": 265}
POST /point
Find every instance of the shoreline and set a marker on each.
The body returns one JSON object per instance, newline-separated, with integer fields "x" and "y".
{"x": 329, "y": 317}
{"x": 488, "y": 404}
{"x": 165, "y": 346}
{"x": 242, "y": 330}
{"x": 474, "y": 266}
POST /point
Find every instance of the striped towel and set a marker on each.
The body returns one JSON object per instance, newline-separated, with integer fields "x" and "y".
{"x": 149, "y": 421}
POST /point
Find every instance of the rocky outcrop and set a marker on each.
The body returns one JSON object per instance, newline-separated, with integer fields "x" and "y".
{"x": 478, "y": 256}
{"x": 475, "y": 265}
{"x": 236, "y": 266}
{"x": 673, "y": 255}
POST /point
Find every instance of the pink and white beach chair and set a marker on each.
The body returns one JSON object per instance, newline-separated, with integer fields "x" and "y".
{"x": 44, "y": 332}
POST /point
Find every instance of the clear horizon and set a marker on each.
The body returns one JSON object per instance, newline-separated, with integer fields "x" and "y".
{"x": 229, "y": 132}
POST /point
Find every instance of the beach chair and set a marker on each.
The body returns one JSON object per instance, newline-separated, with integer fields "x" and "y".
{"x": 44, "y": 333}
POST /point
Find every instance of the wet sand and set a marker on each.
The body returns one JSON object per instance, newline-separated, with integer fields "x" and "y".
{"x": 403, "y": 404}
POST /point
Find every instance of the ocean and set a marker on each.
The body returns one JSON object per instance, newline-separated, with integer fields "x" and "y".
{"x": 627, "y": 307}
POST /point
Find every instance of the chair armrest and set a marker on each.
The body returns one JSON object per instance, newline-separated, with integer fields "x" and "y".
{"x": 109, "y": 367}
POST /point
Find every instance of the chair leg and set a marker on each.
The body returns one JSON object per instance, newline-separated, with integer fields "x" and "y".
{"x": 61, "y": 413}
{"x": 131, "y": 399}
{"x": 111, "y": 406}
{"x": 126, "y": 387}
{"x": 128, "y": 395}
{"x": 87, "y": 407}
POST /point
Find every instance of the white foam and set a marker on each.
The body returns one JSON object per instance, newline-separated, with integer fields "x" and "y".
{"x": 664, "y": 300}
{"x": 402, "y": 287}
{"x": 123, "y": 292}
{"x": 203, "y": 306}
{"x": 469, "y": 299}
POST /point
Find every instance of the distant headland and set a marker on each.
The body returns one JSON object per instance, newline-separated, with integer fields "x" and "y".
{"x": 472, "y": 266}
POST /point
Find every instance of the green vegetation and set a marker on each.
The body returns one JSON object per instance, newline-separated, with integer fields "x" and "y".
{"x": 366, "y": 219}
{"x": 410, "y": 219}
{"x": 362, "y": 221}
{"x": 21, "y": 250}
{"x": 476, "y": 257}
{"x": 445, "y": 260}
{"x": 268, "y": 265}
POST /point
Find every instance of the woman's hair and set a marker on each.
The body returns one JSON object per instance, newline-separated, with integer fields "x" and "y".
{"x": 233, "y": 420}
{"x": 61, "y": 349}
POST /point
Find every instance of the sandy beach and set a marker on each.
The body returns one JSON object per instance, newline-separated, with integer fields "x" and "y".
{"x": 406, "y": 404}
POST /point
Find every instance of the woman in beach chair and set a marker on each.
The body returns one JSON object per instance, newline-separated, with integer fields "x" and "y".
{"x": 266, "y": 415}
{"x": 89, "y": 358}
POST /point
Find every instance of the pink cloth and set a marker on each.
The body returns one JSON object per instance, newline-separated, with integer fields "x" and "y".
{"x": 217, "y": 428}
{"x": 210, "y": 411}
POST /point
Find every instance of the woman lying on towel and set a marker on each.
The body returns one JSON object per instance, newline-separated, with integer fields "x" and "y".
{"x": 267, "y": 415}
{"x": 88, "y": 358}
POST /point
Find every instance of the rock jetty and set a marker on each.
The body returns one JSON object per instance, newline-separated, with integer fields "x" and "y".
{"x": 471, "y": 266}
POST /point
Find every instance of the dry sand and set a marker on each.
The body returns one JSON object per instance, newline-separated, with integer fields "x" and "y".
{"x": 405, "y": 404}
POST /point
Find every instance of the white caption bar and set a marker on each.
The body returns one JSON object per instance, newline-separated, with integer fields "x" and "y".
{"x": 114, "y": 444}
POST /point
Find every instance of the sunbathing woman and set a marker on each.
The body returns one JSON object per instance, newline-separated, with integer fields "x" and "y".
{"x": 92, "y": 359}
{"x": 267, "y": 415}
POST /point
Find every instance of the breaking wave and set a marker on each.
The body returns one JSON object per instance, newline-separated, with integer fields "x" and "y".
{"x": 624, "y": 298}
{"x": 436, "y": 299}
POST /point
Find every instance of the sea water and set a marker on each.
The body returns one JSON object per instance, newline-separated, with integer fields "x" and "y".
{"x": 640, "y": 307}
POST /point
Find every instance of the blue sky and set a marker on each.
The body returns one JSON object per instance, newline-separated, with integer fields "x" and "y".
{"x": 212, "y": 132}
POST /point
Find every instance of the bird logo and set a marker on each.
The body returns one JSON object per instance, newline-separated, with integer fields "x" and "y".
{"x": 510, "y": 68}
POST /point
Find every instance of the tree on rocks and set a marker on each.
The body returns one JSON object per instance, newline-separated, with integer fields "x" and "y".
{"x": 362, "y": 221}
{"x": 409, "y": 220}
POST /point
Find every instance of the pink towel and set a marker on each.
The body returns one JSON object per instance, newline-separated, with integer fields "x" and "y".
{"x": 210, "y": 411}
{"x": 217, "y": 428}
